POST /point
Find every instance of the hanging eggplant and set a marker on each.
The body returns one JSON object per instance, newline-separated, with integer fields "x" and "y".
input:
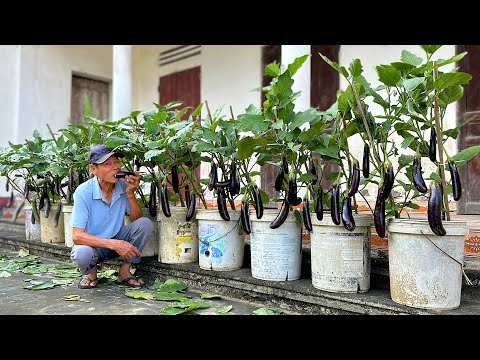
{"x": 432, "y": 150}
{"x": 279, "y": 180}
{"x": 456, "y": 184}
{"x": 56, "y": 217}
{"x": 137, "y": 162}
{"x": 292, "y": 189}
{"x": 355, "y": 182}
{"x": 434, "y": 209}
{"x": 417, "y": 176}
{"x": 319, "y": 204}
{"x": 71, "y": 182}
{"x": 35, "y": 210}
{"x": 379, "y": 216}
{"x": 47, "y": 206}
{"x": 335, "y": 204}
{"x": 175, "y": 180}
{"x": 234, "y": 182}
{"x": 213, "y": 177}
{"x": 26, "y": 189}
{"x": 164, "y": 201}
{"x": 152, "y": 201}
{"x": 347, "y": 216}
{"x": 388, "y": 181}
{"x": 245, "y": 218}
{"x": 307, "y": 220}
{"x": 366, "y": 161}
{"x": 191, "y": 207}
{"x": 282, "y": 215}
{"x": 187, "y": 195}
{"x": 56, "y": 185}
{"x": 222, "y": 204}
{"x": 258, "y": 202}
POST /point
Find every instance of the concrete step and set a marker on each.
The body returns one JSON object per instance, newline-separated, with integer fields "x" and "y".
{"x": 297, "y": 296}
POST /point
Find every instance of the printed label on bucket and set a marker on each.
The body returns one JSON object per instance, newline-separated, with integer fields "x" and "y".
{"x": 276, "y": 257}
{"x": 220, "y": 246}
{"x": 183, "y": 239}
{"x": 211, "y": 243}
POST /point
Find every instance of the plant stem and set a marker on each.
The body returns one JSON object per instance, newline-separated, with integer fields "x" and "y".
{"x": 367, "y": 129}
{"x": 51, "y": 133}
{"x": 441, "y": 163}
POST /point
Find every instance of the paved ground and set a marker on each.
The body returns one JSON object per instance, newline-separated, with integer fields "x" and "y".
{"x": 107, "y": 299}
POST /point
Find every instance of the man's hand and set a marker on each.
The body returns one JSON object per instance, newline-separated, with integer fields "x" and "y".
{"x": 133, "y": 182}
{"x": 125, "y": 249}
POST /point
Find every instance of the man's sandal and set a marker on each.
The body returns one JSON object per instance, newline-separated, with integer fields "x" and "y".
{"x": 89, "y": 284}
{"x": 126, "y": 282}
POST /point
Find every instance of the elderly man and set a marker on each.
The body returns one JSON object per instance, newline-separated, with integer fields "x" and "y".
{"x": 99, "y": 207}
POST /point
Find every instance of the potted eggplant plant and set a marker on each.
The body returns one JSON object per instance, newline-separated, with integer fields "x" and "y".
{"x": 278, "y": 135}
{"x": 157, "y": 141}
{"x": 222, "y": 227}
{"x": 413, "y": 96}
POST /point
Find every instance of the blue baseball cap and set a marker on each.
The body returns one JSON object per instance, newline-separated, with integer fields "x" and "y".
{"x": 101, "y": 153}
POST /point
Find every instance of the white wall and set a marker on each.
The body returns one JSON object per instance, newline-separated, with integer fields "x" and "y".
{"x": 229, "y": 74}
{"x": 373, "y": 55}
{"x": 9, "y": 81}
{"x": 36, "y": 86}
{"x": 46, "y": 81}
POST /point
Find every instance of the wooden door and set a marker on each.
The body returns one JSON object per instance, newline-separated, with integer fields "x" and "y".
{"x": 181, "y": 86}
{"x": 468, "y": 106}
{"x": 98, "y": 94}
{"x": 325, "y": 82}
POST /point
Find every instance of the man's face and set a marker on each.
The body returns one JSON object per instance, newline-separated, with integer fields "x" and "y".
{"x": 107, "y": 169}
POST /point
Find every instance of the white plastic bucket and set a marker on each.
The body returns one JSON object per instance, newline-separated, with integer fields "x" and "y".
{"x": 340, "y": 259}
{"x": 220, "y": 245}
{"x": 151, "y": 248}
{"x": 67, "y": 214}
{"x": 177, "y": 237}
{"x": 426, "y": 273}
{"x": 276, "y": 254}
{"x": 32, "y": 231}
{"x": 49, "y": 233}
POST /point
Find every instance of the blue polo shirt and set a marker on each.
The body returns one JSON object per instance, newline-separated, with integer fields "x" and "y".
{"x": 92, "y": 212}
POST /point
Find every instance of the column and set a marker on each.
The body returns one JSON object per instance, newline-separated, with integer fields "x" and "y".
{"x": 302, "y": 76}
{"x": 122, "y": 81}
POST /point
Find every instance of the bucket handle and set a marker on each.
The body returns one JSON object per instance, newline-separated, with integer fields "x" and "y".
{"x": 221, "y": 237}
{"x": 461, "y": 264}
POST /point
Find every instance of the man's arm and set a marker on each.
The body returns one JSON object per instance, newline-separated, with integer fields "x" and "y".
{"x": 122, "y": 247}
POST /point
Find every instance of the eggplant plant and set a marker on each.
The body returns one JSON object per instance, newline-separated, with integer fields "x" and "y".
{"x": 278, "y": 135}
{"x": 158, "y": 142}
{"x": 413, "y": 97}
{"x": 229, "y": 176}
{"x": 26, "y": 167}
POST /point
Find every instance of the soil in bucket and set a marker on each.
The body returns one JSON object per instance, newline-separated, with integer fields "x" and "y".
{"x": 276, "y": 254}
{"x": 221, "y": 244}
